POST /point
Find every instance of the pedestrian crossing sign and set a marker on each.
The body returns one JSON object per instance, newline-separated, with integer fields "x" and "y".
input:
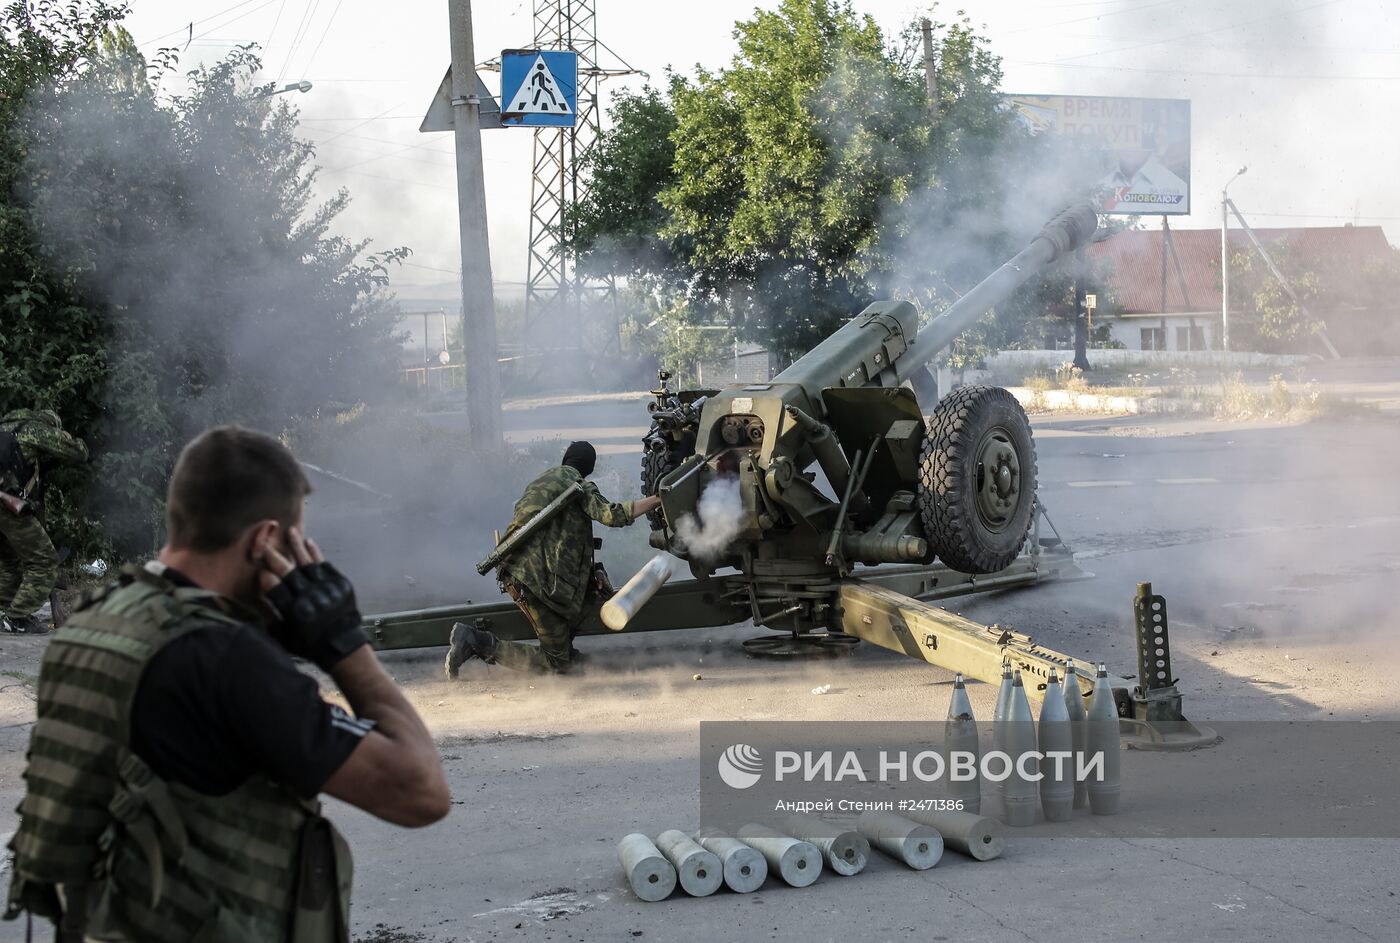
{"x": 539, "y": 88}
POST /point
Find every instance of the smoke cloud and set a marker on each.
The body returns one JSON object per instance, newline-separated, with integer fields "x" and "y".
{"x": 720, "y": 514}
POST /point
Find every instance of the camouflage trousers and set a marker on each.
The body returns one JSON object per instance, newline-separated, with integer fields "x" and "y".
{"x": 28, "y": 564}
{"x": 555, "y": 631}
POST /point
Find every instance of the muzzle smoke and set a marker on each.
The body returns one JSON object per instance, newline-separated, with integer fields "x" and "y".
{"x": 720, "y": 514}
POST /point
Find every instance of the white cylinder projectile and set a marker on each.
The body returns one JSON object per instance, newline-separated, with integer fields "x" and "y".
{"x": 973, "y": 835}
{"x": 917, "y": 845}
{"x": 651, "y": 875}
{"x": 628, "y": 601}
{"x": 700, "y": 871}
{"x": 744, "y": 868}
{"x": 846, "y": 851}
{"x": 797, "y": 862}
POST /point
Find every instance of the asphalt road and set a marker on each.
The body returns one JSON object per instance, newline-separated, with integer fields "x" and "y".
{"x": 1277, "y": 549}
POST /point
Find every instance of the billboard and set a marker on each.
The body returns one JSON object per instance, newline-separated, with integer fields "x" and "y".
{"x": 1144, "y": 145}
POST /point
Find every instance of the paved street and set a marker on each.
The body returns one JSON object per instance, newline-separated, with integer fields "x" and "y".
{"x": 1277, "y": 549}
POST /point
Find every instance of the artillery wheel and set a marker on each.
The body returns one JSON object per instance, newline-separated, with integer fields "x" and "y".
{"x": 977, "y": 479}
{"x": 800, "y": 645}
{"x": 657, "y": 464}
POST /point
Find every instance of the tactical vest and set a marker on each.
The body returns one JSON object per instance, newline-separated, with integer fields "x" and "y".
{"x": 108, "y": 848}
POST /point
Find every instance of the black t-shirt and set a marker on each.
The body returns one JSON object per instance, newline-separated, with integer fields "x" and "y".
{"x": 220, "y": 704}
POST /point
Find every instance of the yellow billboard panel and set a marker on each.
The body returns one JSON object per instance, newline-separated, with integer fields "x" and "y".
{"x": 1144, "y": 145}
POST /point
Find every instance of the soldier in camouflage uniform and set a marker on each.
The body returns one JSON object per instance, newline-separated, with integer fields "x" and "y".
{"x": 552, "y": 577}
{"x": 175, "y": 766}
{"x": 34, "y": 441}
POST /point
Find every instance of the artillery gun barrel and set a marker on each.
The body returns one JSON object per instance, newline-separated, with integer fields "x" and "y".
{"x": 1065, "y": 233}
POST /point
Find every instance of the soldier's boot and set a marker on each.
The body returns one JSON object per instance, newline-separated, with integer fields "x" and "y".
{"x": 23, "y": 625}
{"x": 467, "y": 642}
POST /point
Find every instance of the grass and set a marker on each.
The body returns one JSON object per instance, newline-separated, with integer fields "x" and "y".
{"x": 1236, "y": 400}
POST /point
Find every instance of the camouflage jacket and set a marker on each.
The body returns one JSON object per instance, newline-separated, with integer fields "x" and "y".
{"x": 41, "y": 442}
{"x": 555, "y": 565}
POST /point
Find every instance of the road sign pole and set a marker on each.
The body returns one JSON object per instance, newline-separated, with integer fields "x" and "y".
{"x": 478, "y": 299}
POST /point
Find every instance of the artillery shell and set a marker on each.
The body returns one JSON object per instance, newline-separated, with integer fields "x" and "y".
{"x": 700, "y": 871}
{"x": 651, "y": 876}
{"x": 916, "y": 845}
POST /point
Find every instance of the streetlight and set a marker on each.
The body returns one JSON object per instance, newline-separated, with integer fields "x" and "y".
{"x": 1225, "y": 261}
{"x": 270, "y": 89}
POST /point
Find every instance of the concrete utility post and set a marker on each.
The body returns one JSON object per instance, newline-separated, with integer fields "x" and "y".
{"x": 1225, "y": 261}
{"x": 478, "y": 299}
{"x": 930, "y": 68}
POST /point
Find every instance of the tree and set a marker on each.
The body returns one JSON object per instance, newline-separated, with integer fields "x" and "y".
{"x": 808, "y": 178}
{"x": 1263, "y": 316}
{"x": 175, "y": 272}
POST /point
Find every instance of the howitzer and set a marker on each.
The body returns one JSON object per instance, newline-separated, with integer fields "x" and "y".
{"x": 542, "y": 517}
{"x": 837, "y": 467}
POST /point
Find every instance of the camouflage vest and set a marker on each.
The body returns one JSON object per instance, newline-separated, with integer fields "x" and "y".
{"x": 109, "y": 848}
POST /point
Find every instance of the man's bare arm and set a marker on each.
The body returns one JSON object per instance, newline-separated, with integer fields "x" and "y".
{"x": 395, "y": 773}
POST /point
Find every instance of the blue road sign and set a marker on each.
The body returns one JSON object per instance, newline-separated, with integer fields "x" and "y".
{"x": 539, "y": 88}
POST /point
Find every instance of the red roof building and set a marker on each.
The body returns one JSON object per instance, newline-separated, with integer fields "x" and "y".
{"x": 1173, "y": 303}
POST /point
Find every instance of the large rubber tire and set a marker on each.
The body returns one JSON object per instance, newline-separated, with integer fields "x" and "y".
{"x": 655, "y": 466}
{"x": 658, "y": 464}
{"x": 976, "y": 523}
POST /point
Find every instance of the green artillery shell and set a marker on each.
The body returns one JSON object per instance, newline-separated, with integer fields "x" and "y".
{"x": 1074, "y": 706}
{"x": 1056, "y": 737}
{"x": 1102, "y": 737}
{"x": 1019, "y": 792}
{"x": 651, "y": 876}
{"x": 960, "y": 736}
{"x": 916, "y": 845}
{"x": 999, "y": 718}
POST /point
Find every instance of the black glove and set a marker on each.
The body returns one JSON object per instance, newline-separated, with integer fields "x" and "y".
{"x": 319, "y": 619}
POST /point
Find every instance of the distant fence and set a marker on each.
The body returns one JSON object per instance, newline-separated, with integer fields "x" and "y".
{"x": 1007, "y": 360}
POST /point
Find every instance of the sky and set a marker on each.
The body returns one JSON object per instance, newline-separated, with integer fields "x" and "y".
{"x": 1306, "y": 93}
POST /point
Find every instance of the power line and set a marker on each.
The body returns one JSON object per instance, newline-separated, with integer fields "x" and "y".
{"x": 324, "y": 33}
{"x": 212, "y": 16}
{"x": 302, "y": 26}
{"x": 273, "y": 32}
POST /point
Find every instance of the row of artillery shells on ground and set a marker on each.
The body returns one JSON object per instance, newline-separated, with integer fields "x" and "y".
{"x": 806, "y": 846}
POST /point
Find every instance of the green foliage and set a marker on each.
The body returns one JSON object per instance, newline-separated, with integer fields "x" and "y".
{"x": 163, "y": 266}
{"x": 616, "y": 229}
{"x": 787, "y": 191}
{"x": 1262, "y": 315}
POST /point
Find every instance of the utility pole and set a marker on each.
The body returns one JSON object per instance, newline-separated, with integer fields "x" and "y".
{"x": 930, "y": 69}
{"x": 1081, "y": 324}
{"x": 1225, "y": 261}
{"x": 478, "y": 298}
